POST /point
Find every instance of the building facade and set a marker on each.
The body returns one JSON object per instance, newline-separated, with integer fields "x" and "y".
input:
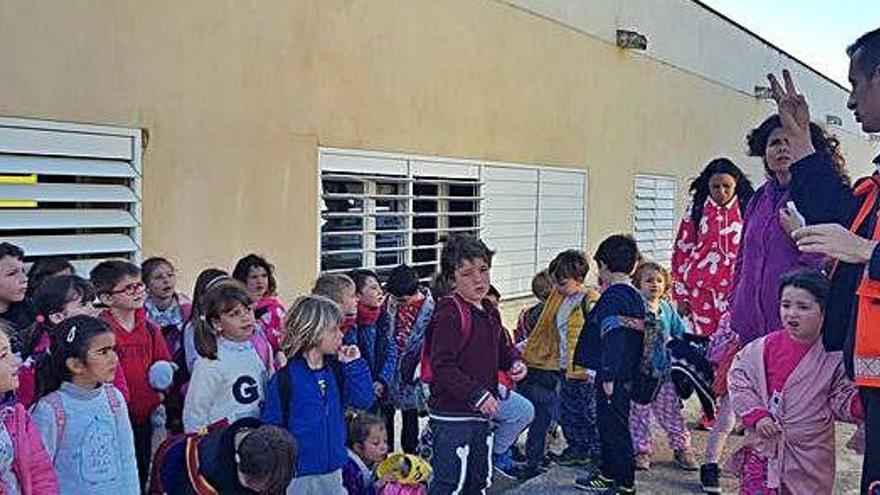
{"x": 328, "y": 134}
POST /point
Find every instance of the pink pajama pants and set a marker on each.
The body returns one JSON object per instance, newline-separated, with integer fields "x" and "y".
{"x": 666, "y": 409}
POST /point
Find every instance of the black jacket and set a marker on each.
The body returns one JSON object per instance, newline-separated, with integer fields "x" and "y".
{"x": 822, "y": 197}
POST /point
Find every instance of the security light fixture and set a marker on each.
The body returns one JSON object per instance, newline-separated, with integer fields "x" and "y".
{"x": 763, "y": 93}
{"x": 631, "y": 40}
{"x": 832, "y": 119}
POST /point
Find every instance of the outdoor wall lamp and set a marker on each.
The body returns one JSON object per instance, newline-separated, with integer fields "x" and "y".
{"x": 763, "y": 93}
{"x": 631, "y": 40}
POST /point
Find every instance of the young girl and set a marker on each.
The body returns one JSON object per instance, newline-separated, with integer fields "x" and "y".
{"x": 309, "y": 395}
{"x": 57, "y": 298}
{"x": 707, "y": 243}
{"x": 259, "y": 277}
{"x": 24, "y": 466}
{"x": 169, "y": 310}
{"x": 206, "y": 278}
{"x": 367, "y": 447}
{"x": 44, "y": 268}
{"x": 788, "y": 392}
{"x": 377, "y": 346}
{"x": 83, "y": 419}
{"x": 166, "y": 307}
{"x": 653, "y": 281}
{"x": 229, "y": 378}
{"x": 408, "y": 311}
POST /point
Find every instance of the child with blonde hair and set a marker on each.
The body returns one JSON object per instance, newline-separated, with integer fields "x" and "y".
{"x": 310, "y": 394}
{"x": 654, "y": 282}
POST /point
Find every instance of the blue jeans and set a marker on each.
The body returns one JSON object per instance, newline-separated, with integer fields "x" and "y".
{"x": 515, "y": 413}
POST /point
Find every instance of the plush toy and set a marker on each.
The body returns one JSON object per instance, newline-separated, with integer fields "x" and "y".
{"x": 409, "y": 473}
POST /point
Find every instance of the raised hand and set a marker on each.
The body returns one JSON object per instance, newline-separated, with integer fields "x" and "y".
{"x": 794, "y": 114}
{"x": 348, "y": 353}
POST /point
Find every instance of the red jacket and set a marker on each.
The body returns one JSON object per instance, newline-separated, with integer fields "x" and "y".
{"x": 138, "y": 350}
{"x": 36, "y": 475}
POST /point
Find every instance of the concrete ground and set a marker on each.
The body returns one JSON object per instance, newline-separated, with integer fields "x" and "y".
{"x": 665, "y": 478}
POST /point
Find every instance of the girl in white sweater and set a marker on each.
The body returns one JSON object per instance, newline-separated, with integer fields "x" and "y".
{"x": 229, "y": 377}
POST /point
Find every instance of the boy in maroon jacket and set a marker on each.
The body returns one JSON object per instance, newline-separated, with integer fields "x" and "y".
{"x": 465, "y": 365}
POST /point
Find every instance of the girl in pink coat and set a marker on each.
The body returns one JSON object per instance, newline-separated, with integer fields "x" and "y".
{"x": 25, "y": 467}
{"x": 788, "y": 392}
{"x": 258, "y": 275}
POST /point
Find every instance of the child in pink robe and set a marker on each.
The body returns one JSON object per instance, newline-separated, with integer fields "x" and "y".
{"x": 788, "y": 392}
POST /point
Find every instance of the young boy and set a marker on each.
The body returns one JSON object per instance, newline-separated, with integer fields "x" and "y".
{"x": 465, "y": 369}
{"x": 143, "y": 355}
{"x": 340, "y": 289}
{"x": 376, "y": 344}
{"x": 407, "y": 313}
{"x": 13, "y": 287}
{"x": 542, "y": 285}
{"x": 554, "y": 379}
{"x": 244, "y": 457}
{"x": 611, "y": 348}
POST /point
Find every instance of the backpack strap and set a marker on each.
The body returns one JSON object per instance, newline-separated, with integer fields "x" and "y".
{"x": 54, "y": 401}
{"x": 464, "y": 317}
{"x": 112, "y": 399}
{"x": 285, "y": 391}
{"x": 261, "y": 345}
{"x": 198, "y": 482}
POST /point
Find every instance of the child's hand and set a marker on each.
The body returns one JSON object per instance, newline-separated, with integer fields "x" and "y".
{"x": 281, "y": 359}
{"x": 684, "y": 309}
{"x": 348, "y": 353}
{"x": 378, "y": 389}
{"x": 608, "y": 388}
{"x": 385, "y": 479}
{"x": 518, "y": 371}
{"x": 489, "y": 407}
{"x": 768, "y": 428}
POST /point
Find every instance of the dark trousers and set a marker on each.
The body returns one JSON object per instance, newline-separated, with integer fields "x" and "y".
{"x": 578, "y": 417}
{"x": 143, "y": 440}
{"x": 545, "y": 401}
{"x": 871, "y": 465}
{"x": 461, "y": 445}
{"x": 409, "y": 432}
{"x": 612, "y": 411}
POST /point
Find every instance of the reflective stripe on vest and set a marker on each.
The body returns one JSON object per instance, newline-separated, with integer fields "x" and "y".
{"x": 866, "y": 355}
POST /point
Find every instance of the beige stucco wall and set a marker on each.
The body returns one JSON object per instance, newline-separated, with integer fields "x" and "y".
{"x": 238, "y": 95}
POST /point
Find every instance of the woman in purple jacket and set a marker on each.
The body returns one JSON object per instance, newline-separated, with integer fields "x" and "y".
{"x": 766, "y": 252}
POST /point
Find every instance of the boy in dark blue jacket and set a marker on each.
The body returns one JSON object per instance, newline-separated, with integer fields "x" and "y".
{"x": 610, "y": 347}
{"x": 309, "y": 395}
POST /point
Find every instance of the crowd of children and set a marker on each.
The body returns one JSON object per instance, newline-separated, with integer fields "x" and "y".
{"x": 229, "y": 392}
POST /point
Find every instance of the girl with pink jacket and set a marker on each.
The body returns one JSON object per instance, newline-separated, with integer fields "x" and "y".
{"x": 788, "y": 392}
{"x": 25, "y": 467}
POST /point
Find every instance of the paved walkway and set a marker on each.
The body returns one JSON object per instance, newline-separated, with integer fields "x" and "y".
{"x": 665, "y": 478}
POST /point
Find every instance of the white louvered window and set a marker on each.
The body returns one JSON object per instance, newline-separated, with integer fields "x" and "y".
{"x": 380, "y": 210}
{"x": 70, "y": 190}
{"x": 531, "y": 214}
{"x": 655, "y": 217}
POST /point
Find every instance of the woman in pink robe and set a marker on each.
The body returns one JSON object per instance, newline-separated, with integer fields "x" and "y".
{"x": 707, "y": 243}
{"x": 788, "y": 392}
